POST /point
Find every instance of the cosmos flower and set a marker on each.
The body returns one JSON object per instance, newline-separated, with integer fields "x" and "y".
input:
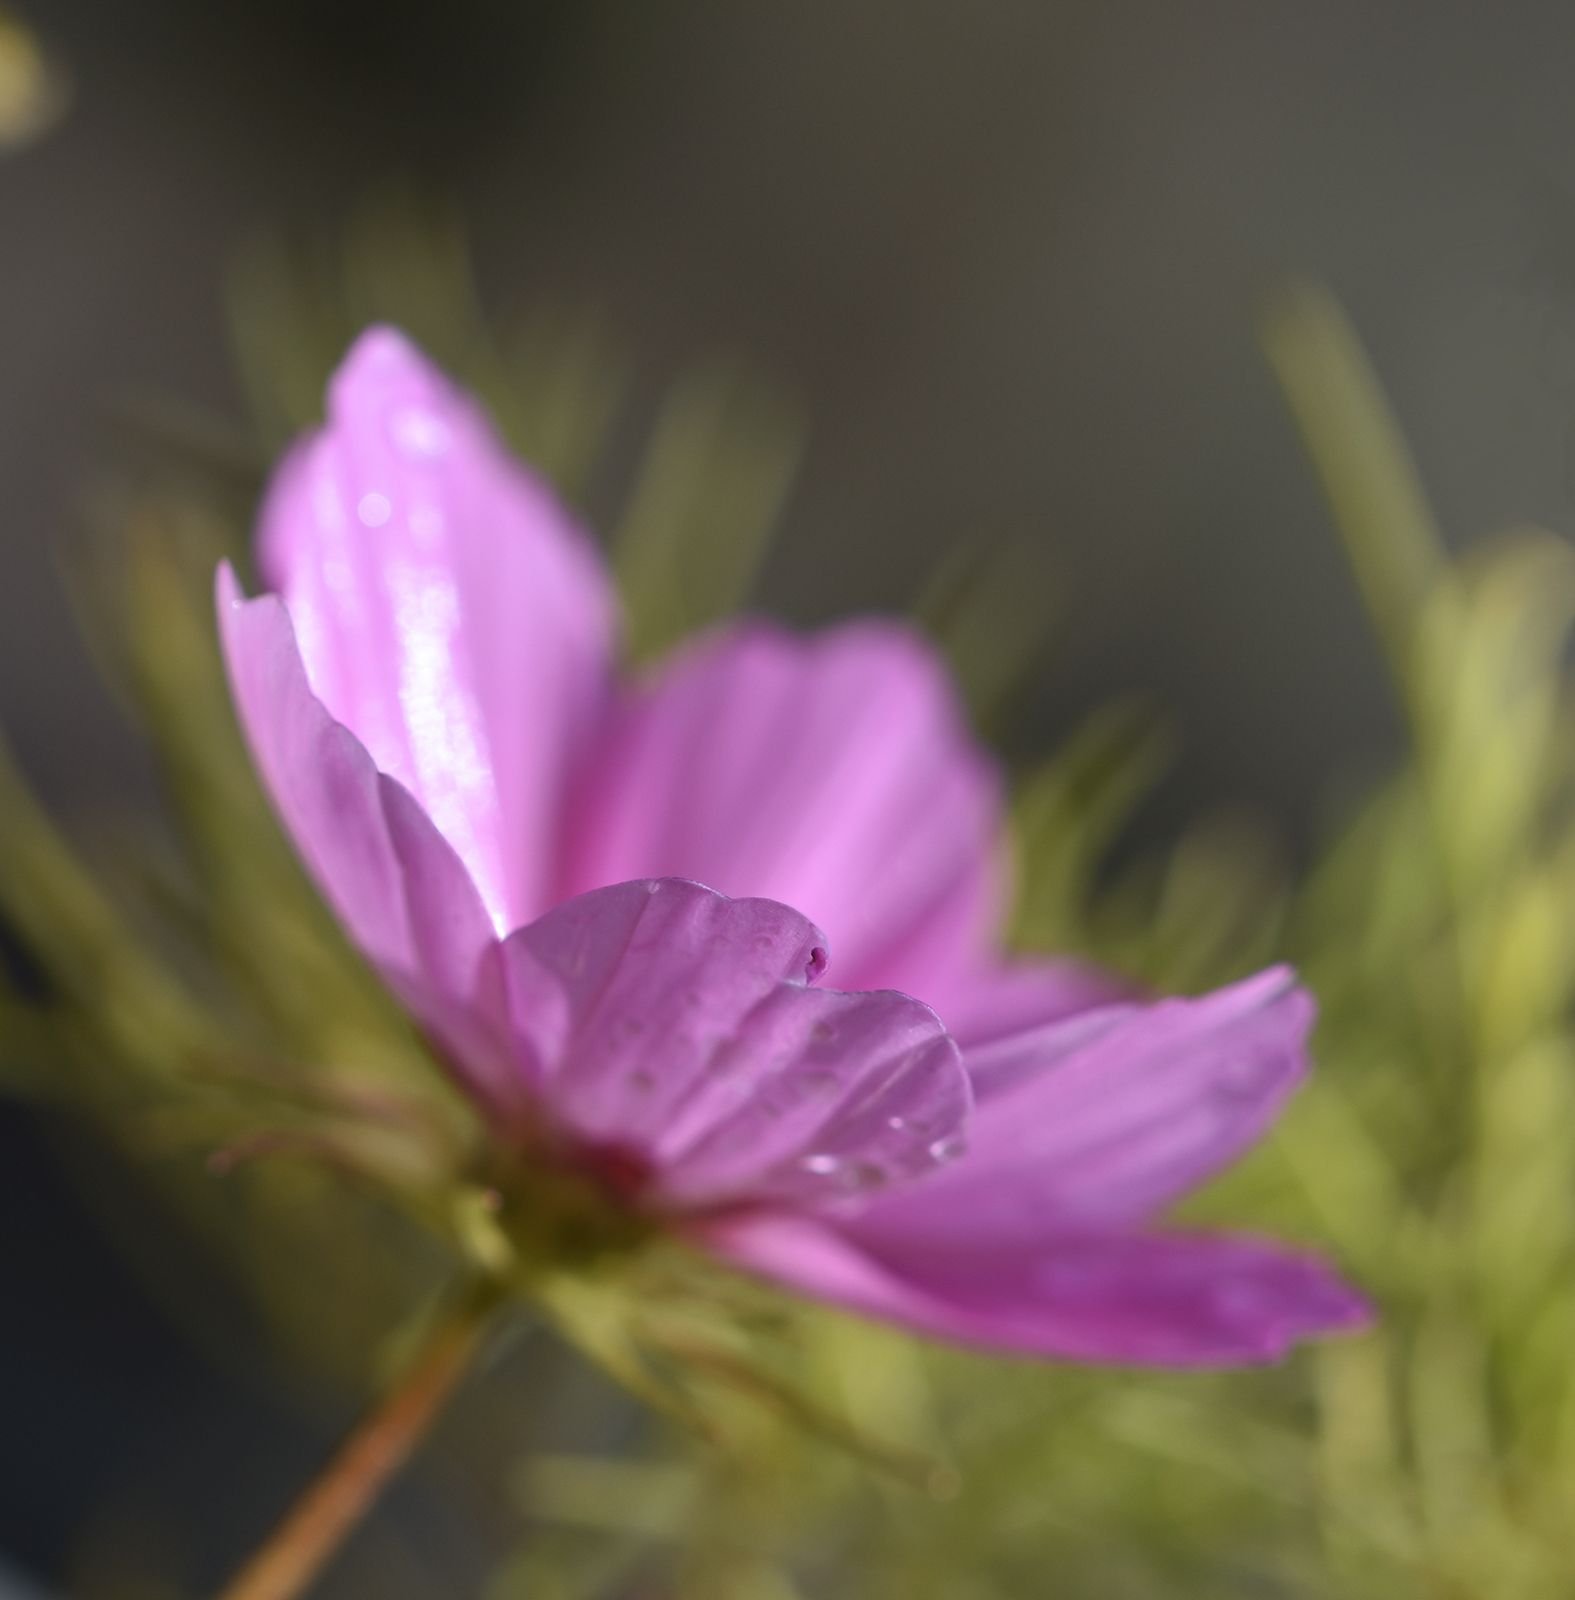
{"x": 537, "y": 856}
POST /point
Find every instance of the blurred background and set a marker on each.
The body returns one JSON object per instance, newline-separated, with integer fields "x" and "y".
{"x": 1006, "y": 262}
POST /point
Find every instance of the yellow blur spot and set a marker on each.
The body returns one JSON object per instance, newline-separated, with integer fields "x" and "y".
{"x": 32, "y": 90}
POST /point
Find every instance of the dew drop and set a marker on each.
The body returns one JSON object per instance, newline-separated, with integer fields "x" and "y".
{"x": 419, "y": 432}
{"x": 821, "y": 1166}
{"x": 374, "y": 509}
{"x": 897, "y": 1124}
{"x": 948, "y": 1148}
{"x": 1241, "y": 1078}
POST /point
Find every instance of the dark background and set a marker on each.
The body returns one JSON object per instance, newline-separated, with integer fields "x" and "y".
{"x": 1006, "y": 254}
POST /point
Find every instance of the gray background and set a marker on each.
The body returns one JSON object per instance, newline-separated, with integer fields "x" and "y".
{"x": 1006, "y": 254}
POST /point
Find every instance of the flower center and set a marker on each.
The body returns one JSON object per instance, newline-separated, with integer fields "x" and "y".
{"x": 622, "y": 1171}
{"x": 566, "y": 1205}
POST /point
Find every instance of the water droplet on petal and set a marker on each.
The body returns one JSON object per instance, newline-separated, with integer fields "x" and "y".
{"x": 374, "y": 509}
{"x": 419, "y": 432}
{"x": 653, "y": 886}
{"x": 897, "y": 1124}
{"x": 1241, "y": 1078}
{"x": 949, "y": 1148}
{"x": 821, "y": 1166}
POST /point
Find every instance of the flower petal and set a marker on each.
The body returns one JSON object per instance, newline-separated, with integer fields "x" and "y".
{"x": 1169, "y": 1300}
{"x": 1006, "y": 997}
{"x": 1106, "y": 1117}
{"x": 833, "y": 773}
{"x": 448, "y": 612}
{"x": 675, "y": 1025}
{"x": 395, "y": 883}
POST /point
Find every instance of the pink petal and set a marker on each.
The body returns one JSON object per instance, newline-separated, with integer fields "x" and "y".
{"x": 1104, "y": 1118}
{"x": 395, "y": 883}
{"x": 834, "y": 773}
{"x": 1170, "y": 1300}
{"x": 448, "y": 611}
{"x": 989, "y": 1002}
{"x": 674, "y": 1027}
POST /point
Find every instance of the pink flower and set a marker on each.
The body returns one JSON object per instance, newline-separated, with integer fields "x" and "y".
{"x": 431, "y": 693}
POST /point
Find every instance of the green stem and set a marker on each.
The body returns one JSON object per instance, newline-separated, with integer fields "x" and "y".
{"x": 381, "y": 1443}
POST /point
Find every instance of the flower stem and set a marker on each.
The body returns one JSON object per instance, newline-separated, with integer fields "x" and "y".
{"x": 380, "y": 1444}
